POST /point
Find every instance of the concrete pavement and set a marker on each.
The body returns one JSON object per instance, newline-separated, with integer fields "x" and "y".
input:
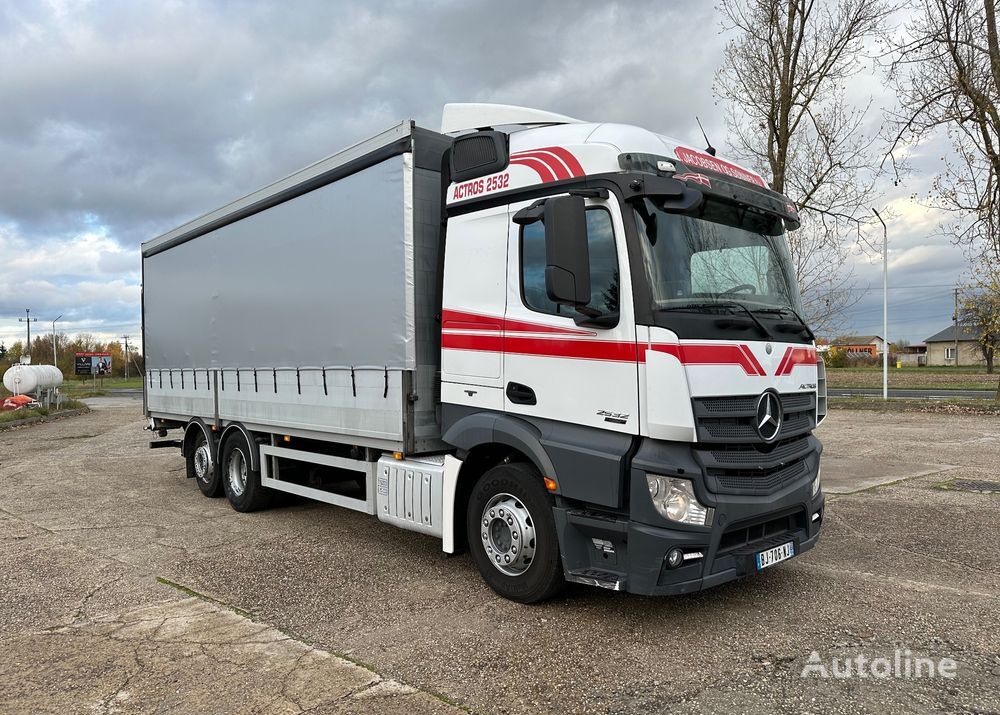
{"x": 90, "y": 518}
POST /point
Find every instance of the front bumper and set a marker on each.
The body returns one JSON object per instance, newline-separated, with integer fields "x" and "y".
{"x": 629, "y": 552}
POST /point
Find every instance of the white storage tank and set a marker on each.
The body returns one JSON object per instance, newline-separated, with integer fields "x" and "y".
{"x": 23, "y": 379}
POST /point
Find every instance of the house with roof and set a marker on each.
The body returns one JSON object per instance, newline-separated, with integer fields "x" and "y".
{"x": 870, "y": 345}
{"x": 941, "y": 347}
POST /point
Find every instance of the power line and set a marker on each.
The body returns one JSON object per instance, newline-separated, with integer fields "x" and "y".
{"x": 29, "y": 320}
{"x": 125, "y": 338}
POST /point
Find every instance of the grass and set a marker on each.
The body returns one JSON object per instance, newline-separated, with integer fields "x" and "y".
{"x": 79, "y": 388}
{"x": 915, "y": 378}
{"x": 17, "y": 415}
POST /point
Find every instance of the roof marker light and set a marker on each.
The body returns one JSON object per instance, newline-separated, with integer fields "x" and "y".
{"x": 667, "y": 167}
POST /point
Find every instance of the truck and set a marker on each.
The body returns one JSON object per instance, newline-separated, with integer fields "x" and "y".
{"x": 573, "y": 349}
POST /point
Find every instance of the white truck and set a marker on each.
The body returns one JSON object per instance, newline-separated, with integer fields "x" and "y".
{"x": 574, "y": 349}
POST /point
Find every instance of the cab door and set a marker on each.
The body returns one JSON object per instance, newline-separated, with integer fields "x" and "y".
{"x": 555, "y": 368}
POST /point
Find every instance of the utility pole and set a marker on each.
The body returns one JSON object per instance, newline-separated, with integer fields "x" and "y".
{"x": 55, "y": 356}
{"x": 29, "y": 320}
{"x": 885, "y": 307}
{"x": 125, "y": 338}
{"x": 956, "y": 327}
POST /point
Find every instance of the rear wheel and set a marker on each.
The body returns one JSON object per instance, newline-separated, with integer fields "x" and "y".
{"x": 240, "y": 481}
{"x": 201, "y": 464}
{"x": 512, "y": 534}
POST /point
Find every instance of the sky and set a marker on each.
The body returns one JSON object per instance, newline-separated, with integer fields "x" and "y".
{"x": 122, "y": 120}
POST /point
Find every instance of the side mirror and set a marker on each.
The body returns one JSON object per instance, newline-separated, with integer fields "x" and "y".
{"x": 567, "y": 255}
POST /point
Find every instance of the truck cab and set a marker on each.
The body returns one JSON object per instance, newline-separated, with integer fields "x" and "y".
{"x": 622, "y": 310}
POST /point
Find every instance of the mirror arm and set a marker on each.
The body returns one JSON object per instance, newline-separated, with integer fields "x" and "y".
{"x": 601, "y": 320}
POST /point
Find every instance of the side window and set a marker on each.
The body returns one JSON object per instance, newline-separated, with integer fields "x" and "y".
{"x": 603, "y": 266}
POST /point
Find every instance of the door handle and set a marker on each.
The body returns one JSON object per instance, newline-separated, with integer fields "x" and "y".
{"x": 521, "y": 394}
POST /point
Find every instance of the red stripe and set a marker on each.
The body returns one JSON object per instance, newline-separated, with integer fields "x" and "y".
{"x": 540, "y": 167}
{"x": 481, "y": 343}
{"x": 610, "y": 350}
{"x": 574, "y": 166}
{"x": 796, "y": 356}
{"x": 753, "y": 359}
{"x": 459, "y": 320}
{"x": 550, "y": 160}
{"x": 701, "y": 354}
{"x": 607, "y": 350}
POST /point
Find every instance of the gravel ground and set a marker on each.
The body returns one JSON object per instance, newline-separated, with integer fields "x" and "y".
{"x": 907, "y": 565}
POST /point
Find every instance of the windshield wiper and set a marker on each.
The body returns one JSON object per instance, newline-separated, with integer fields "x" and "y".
{"x": 723, "y": 304}
{"x": 788, "y": 311}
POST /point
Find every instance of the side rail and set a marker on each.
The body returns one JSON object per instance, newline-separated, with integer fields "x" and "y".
{"x": 416, "y": 494}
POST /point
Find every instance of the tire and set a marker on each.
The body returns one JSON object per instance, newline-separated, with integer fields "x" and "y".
{"x": 201, "y": 466}
{"x": 240, "y": 482}
{"x": 512, "y": 534}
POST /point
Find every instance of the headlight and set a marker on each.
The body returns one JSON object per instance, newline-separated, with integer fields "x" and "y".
{"x": 816, "y": 484}
{"x": 674, "y": 498}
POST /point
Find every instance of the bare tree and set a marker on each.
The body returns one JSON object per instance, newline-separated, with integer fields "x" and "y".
{"x": 784, "y": 75}
{"x": 946, "y": 70}
{"x": 980, "y": 313}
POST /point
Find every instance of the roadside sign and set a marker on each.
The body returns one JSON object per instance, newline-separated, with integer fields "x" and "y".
{"x": 93, "y": 364}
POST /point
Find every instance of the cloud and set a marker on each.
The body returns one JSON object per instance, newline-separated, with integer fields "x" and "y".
{"x": 121, "y": 120}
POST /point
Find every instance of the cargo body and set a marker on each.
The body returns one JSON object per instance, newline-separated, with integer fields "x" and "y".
{"x": 574, "y": 349}
{"x": 315, "y": 315}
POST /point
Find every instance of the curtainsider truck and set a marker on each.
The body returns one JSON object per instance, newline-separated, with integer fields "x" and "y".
{"x": 574, "y": 349}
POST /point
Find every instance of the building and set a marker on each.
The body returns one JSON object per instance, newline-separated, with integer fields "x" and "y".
{"x": 941, "y": 347}
{"x": 911, "y": 355}
{"x": 859, "y": 345}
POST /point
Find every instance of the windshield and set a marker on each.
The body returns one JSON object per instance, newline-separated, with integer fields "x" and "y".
{"x": 718, "y": 253}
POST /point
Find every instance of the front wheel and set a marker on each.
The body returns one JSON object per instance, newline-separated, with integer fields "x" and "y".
{"x": 512, "y": 534}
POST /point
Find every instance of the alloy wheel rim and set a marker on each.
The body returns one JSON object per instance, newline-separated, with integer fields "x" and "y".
{"x": 508, "y": 534}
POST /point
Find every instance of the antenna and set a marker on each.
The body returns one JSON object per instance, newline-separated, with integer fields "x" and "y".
{"x": 709, "y": 148}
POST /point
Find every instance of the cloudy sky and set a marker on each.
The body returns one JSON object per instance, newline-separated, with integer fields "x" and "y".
{"x": 120, "y": 120}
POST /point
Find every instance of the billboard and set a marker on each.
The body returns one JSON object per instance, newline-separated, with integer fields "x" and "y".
{"x": 93, "y": 364}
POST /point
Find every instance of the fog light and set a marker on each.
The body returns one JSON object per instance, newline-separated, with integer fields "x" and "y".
{"x": 675, "y": 499}
{"x": 675, "y": 557}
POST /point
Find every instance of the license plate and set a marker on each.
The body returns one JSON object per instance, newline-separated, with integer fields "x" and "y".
{"x": 770, "y": 557}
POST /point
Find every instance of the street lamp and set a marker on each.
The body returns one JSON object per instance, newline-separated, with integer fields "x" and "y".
{"x": 55, "y": 357}
{"x": 885, "y": 307}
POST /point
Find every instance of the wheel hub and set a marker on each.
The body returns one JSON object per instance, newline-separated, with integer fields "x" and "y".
{"x": 508, "y": 534}
{"x": 203, "y": 463}
{"x": 237, "y": 472}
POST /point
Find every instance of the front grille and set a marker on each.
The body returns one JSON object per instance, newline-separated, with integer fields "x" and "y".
{"x": 750, "y": 455}
{"x": 736, "y": 460}
{"x": 749, "y": 537}
{"x": 731, "y": 419}
{"x": 734, "y": 481}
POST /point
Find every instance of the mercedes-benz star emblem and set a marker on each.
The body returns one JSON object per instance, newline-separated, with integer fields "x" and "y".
{"x": 769, "y": 416}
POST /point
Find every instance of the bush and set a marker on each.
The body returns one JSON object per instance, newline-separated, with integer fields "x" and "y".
{"x": 835, "y": 357}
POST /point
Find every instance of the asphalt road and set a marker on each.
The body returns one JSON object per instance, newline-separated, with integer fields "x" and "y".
{"x": 942, "y": 394}
{"x": 266, "y": 611}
